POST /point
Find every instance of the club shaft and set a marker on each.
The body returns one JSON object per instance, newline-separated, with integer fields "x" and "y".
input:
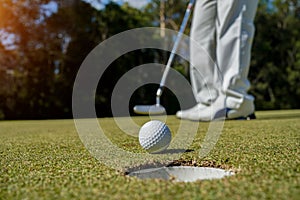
{"x": 173, "y": 52}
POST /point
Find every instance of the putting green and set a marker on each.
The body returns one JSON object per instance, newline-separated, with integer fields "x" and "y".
{"x": 47, "y": 160}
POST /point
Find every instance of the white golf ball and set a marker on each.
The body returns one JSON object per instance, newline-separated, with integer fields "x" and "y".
{"x": 155, "y": 136}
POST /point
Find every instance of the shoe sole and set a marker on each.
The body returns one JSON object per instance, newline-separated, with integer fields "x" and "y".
{"x": 252, "y": 116}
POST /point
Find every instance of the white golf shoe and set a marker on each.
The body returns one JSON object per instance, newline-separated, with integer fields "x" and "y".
{"x": 199, "y": 112}
{"x": 242, "y": 110}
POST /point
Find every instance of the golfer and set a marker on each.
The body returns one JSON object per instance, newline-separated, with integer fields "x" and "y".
{"x": 225, "y": 30}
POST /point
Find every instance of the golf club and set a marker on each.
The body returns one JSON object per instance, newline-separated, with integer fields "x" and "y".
{"x": 157, "y": 108}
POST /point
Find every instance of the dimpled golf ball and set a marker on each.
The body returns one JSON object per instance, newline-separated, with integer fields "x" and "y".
{"x": 155, "y": 136}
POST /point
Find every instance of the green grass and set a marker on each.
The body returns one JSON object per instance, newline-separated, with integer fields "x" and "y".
{"x": 47, "y": 160}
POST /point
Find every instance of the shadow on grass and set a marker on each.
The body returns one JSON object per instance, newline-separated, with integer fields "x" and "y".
{"x": 174, "y": 151}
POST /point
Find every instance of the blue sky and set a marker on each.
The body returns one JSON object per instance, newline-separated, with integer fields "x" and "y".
{"x": 137, "y": 3}
{"x": 134, "y": 3}
{"x": 96, "y": 3}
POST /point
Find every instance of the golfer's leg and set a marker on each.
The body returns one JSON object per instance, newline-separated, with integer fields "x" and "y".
{"x": 203, "y": 55}
{"x": 203, "y": 50}
{"x": 235, "y": 34}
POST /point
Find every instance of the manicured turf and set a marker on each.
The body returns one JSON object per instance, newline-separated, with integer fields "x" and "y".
{"x": 47, "y": 160}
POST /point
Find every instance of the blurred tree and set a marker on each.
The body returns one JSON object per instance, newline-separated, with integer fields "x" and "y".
{"x": 168, "y": 14}
{"x": 45, "y": 49}
{"x": 112, "y": 20}
{"x": 275, "y": 58}
{"x": 26, "y": 67}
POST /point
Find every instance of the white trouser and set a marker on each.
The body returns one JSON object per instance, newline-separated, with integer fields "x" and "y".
{"x": 225, "y": 30}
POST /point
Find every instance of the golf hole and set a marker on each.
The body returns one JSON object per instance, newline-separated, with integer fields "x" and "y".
{"x": 182, "y": 173}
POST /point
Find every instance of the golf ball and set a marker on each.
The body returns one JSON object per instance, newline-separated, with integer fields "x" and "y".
{"x": 155, "y": 136}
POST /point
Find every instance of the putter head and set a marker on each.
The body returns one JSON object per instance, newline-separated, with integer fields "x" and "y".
{"x": 149, "y": 109}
